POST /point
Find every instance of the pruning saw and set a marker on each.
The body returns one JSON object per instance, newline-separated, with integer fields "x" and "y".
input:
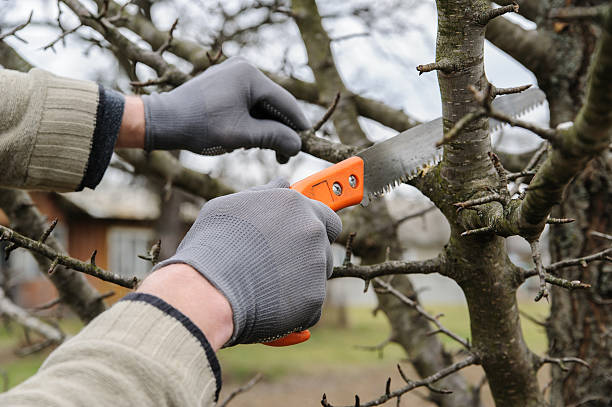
{"x": 385, "y": 165}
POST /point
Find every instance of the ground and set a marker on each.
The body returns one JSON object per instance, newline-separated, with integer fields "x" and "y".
{"x": 331, "y": 361}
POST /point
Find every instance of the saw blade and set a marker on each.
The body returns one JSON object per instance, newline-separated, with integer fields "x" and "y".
{"x": 402, "y": 157}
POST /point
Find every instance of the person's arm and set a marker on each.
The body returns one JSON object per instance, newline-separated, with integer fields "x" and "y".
{"x": 59, "y": 134}
{"x": 252, "y": 267}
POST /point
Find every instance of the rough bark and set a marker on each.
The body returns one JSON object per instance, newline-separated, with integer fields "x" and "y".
{"x": 480, "y": 264}
{"x": 576, "y": 320}
{"x": 579, "y": 323}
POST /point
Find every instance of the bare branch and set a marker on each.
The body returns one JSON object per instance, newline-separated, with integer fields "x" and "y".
{"x": 388, "y": 288}
{"x": 417, "y": 214}
{"x": 162, "y": 165}
{"x": 22, "y": 317}
{"x": 492, "y": 13}
{"x": 536, "y": 254}
{"x": 460, "y": 125}
{"x": 581, "y": 261}
{"x": 602, "y": 235}
{"x": 15, "y": 30}
{"x": 242, "y": 389}
{"x": 443, "y": 65}
{"x": 327, "y": 114}
{"x": 388, "y": 268}
{"x": 542, "y": 360}
{"x": 67, "y": 261}
{"x": 426, "y": 382}
{"x": 510, "y": 91}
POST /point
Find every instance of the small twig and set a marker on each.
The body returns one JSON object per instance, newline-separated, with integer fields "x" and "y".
{"x": 388, "y": 288}
{"x": 162, "y": 80}
{"x": 153, "y": 253}
{"x": 410, "y": 385}
{"x": 48, "y": 231}
{"x": 61, "y": 37}
{"x": 581, "y": 261}
{"x": 480, "y": 231}
{"x": 20, "y": 27}
{"x": 213, "y": 59}
{"x": 562, "y": 361}
{"x": 348, "y": 252}
{"x": 536, "y": 254}
{"x": 168, "y": 43}
{"x": 523, "y": 174}
{"x": 510, "y": 91}
{"x": 417, "y": 214}
{"x": 533, "y": 162}
{"x": 602, "y": 235}
{"x": 479, "y": 201}
{"x": 503, "y": 180}
{"x": 492, "y": 13}
{"x": 559, "y": 221}
{"x": 349, "y": 36}
{"x": 460, "y": 125}
{"x": 443, "y": 65}
{"x": 47, "y": 305}
{"x": 327, "y": 114}
{"x": 546, "y": 134}
{"x": 377, "y": 348}
{"x": 66, "y": 261}
{"x": 242, "y": 389}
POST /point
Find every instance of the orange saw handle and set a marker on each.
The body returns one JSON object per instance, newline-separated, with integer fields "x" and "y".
{"x": 338, "y": 186}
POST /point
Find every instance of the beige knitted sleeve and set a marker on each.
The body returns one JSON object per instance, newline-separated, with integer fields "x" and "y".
{"x": 140, "y": 352}
{"x": 46, "y": 129}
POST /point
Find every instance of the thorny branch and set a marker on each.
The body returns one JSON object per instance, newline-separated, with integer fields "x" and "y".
{"x": 57, "y": 258}
{"x": 388, "y": 268}
{"x": 410, "y": 385}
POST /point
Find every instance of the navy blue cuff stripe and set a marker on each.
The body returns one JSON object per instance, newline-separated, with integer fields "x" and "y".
{"x": 190, "y": 326}
{"x": 108, "y": 121}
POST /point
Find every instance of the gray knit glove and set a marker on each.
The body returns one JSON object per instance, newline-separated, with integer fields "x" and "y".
{"x": 268, "y": 250}
{"x": 229, "y": 106}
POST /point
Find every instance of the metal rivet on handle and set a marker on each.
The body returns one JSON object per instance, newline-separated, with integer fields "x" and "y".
{"x": 337, "y": 188}
{"x": 353, "y": 181}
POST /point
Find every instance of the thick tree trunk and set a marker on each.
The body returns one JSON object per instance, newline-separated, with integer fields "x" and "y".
{"x": 480, "y": 264}
{"x": 579, "y": 323}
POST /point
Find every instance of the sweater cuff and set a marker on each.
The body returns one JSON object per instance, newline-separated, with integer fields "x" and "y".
{"x": 161, "y": 333}
{"x": 64, "y": 135}
{"x": 109, "y": 115}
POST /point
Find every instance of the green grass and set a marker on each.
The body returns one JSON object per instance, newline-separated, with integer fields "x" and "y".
{"x": 329, "y": 348}
{"x": 337, "y": 349}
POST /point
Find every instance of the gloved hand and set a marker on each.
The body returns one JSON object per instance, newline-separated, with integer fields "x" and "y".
{"x": 268, "y": 250}
{"x": 213, "y": 113}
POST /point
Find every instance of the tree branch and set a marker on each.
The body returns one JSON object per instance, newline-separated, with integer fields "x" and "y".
{"x": 530, "y": 48}
{"x": 388, "y": 268}
{"x": 72, "y": 287}
{"x": 411, "y": 385}
{"x": 58, "y": 258}
{"x": 22, "y": 317}
{"x": 162, "y": 165}
{"x": 388, "y": 288}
